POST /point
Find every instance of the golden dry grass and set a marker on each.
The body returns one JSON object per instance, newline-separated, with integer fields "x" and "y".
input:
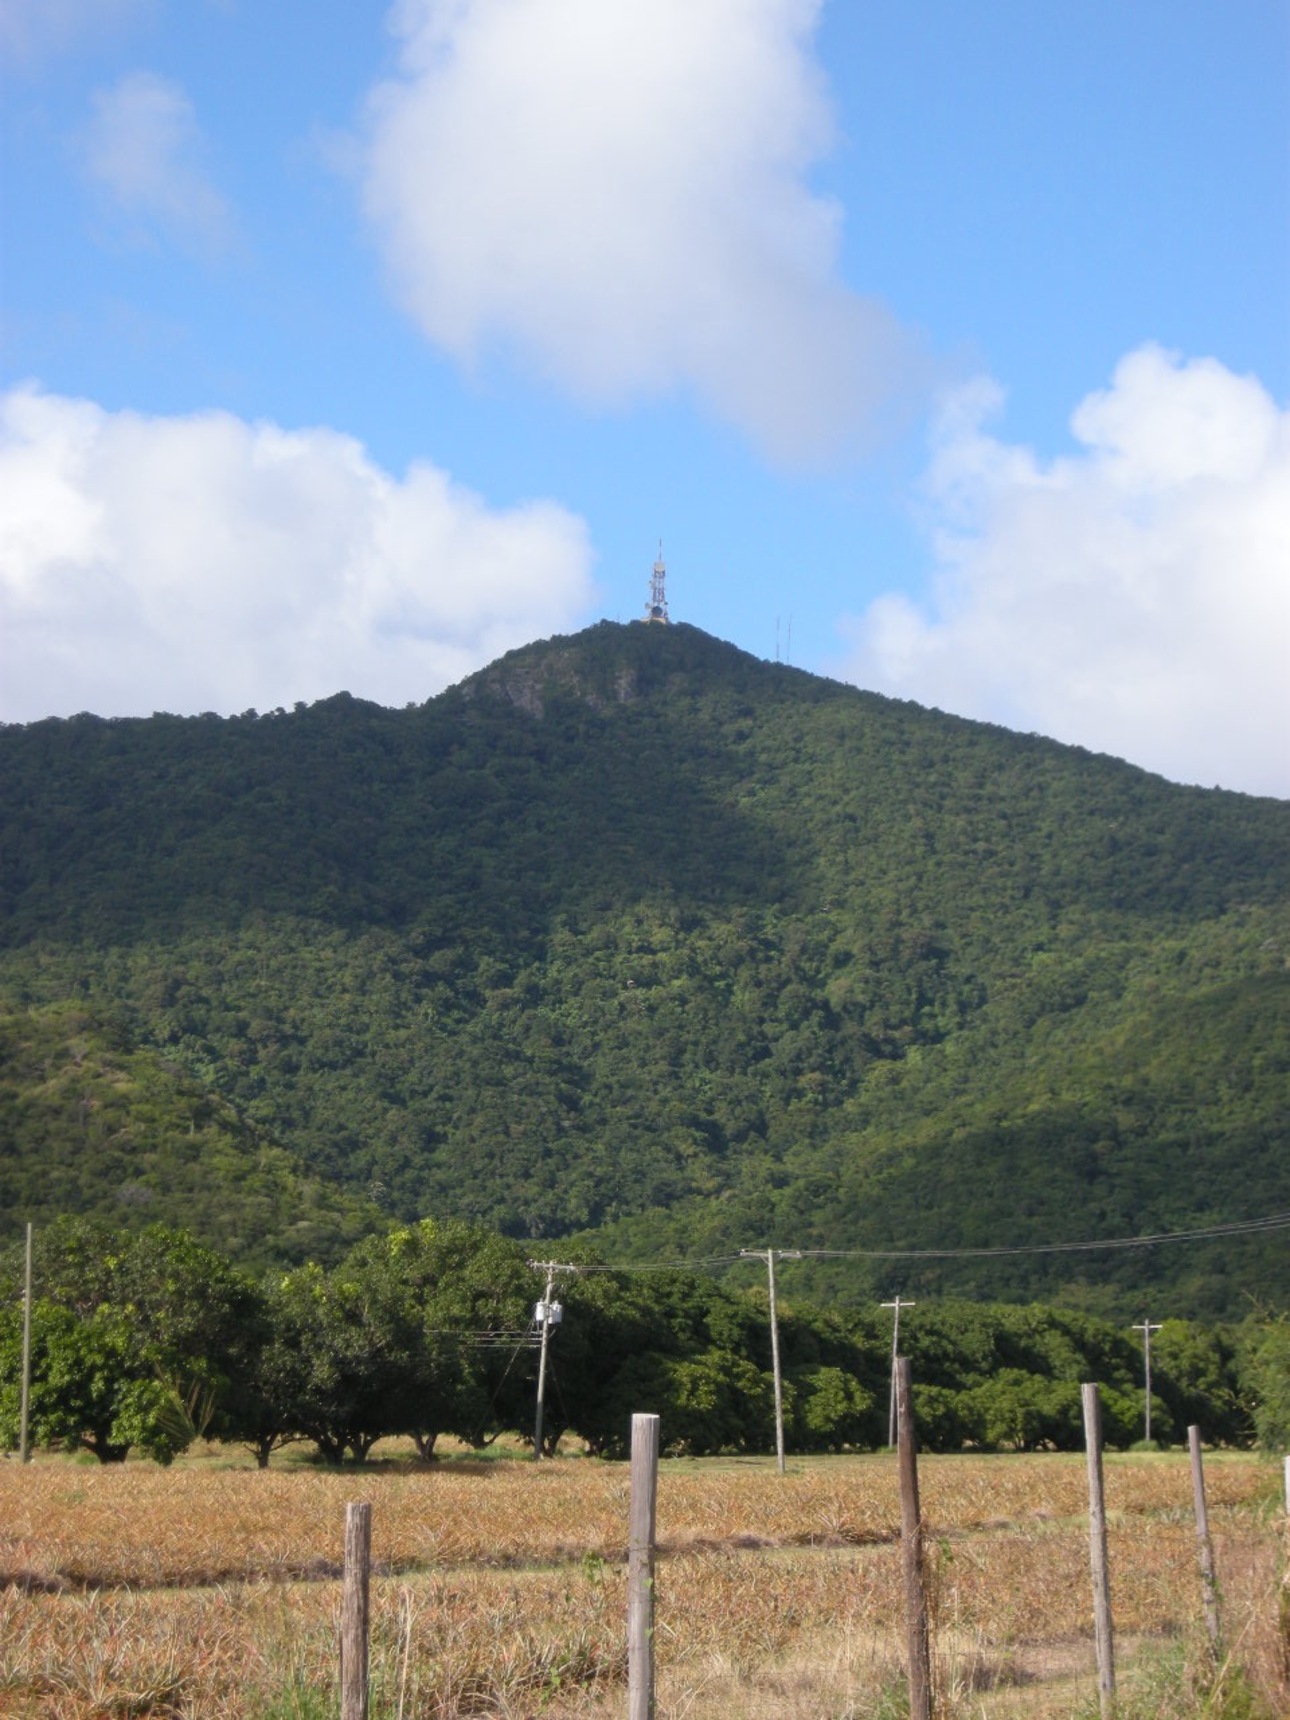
{"x": 212, "y": 1592}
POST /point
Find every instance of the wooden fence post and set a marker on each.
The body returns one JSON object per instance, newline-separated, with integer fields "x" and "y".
{"x": 1208, "y": 1587}
{"x": 24, "y": 1413}
{"x": 1097, "y": 1552}
{"x": 911, "y": 1544}
{"x": 640, "y": 1568}
{"x": 354, "y": 1612}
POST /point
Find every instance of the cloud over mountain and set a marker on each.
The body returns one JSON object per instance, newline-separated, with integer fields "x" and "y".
{"x": 201, "y": 562}
{"x": 1133, "y": 597}
{"x": 618, "y": 197}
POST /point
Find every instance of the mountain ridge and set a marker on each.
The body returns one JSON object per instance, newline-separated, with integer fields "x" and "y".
{"x": 630, "y": 923}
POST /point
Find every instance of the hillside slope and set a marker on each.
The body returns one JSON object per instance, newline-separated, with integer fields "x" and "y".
{"x": 634, "y": 930}
{"x": 91, "y": 1124}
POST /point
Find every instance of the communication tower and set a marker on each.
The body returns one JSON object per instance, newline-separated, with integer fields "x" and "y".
{"x": 657, "y": 607}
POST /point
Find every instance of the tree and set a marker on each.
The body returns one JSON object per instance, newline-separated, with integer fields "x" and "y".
{"x": 467, "y": 1295}
{"x": 89, "y": 1390}
{"x": 257, "y": 1408}
{"x": 831, "y": 1410}
{"x": 1023, "y": 1412}
{"x": 1195, "y": 1370}
{"x": 341, "y": 1365}
{"x": 944, "y": 1420}
{"x": 707, "y": 1403}
{"x": 137, "y": 1339}
{"x": 1265, "y": 1379}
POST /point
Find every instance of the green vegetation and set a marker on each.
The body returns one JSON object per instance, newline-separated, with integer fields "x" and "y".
{"x": 144, "y": 1340}
{"x": 91, "y": 1124}
{"x": 1265, "y": 1368}
{"x": 135, "y": 1340}
{"x": 634, "y": 935}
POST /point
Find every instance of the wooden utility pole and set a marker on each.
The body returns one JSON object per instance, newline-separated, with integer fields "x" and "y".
{"x": 911, "y": 1545}
{"x": 547, "y": 1296}
{"x": 895, "y": 1306}
{"x": 1097, "y": 1552}
{"x": 354, "y": 1612}
{"x": 640, "y": 1568}
{"x": 24, "y": 1413}
{"x": 1208, "y": 1587}
{"x": 547, "y": 1314}
{"x": 770, "y": 1256}
{"x": 1146, "y": 1328}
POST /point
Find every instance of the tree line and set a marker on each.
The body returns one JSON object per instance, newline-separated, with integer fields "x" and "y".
{"x": 146, "y": 1341}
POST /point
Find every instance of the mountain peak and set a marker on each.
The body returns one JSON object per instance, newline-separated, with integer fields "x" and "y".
{"x": 610, "y": 663}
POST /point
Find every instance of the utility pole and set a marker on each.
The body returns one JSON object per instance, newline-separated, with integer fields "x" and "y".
{"x": 770, "y": 1256}
{"x": 895, "y": 1306}
{"x": 1146, "y": 1328}
{"x": 911, "y": 1540}
{"x": 548, "y": 1313}
{"x": 1103, "y": 1633}
{"x": 24, "y": 1445}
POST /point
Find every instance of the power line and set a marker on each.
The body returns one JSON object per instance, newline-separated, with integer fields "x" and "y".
{"x": 662, "y": 1265}
{"x": 1238, "y": 1227}
{"x": 523, "y": 1339}
{"x": 1241, "y": 1227}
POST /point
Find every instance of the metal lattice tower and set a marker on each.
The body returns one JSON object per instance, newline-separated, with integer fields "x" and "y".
{"x": 657, "y": 609}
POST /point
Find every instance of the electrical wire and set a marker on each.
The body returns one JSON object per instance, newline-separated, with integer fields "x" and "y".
{"x": 1203, "y": 1233}
{"x": 1210, "y": 1232}
{"x": 498, "y": 1392}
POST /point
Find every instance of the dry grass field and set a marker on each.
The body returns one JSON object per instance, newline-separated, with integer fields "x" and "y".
{"x": 211, "y": 1590}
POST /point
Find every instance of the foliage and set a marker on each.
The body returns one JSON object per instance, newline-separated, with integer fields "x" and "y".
{"x": 134, "y": 1337}
{"x": 140, "y": 1340}
{"x": 341, "y": 1359}
{"x": 1264, "y": 1366}
{"x": 406, "y": 1335}
{"x": 831, "y": 1410}
{"x": 93, "y": 1125}
{"x": 635, "y": 934}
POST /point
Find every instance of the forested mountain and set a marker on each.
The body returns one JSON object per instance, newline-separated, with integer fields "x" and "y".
{"x": 634, "y": 933}
{"x": 93, "y": 1125}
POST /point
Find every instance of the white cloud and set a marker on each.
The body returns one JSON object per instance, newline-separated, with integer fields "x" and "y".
{"x": 203, "y": 563}
{"x": 1133, "y": 598}
{"x": 617, "y": 194}
{"x": 32, "y": 30}
{"x": 144, "y": 149}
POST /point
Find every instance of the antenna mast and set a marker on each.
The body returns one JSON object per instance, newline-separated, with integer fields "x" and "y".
{"x": 657, "y": 609}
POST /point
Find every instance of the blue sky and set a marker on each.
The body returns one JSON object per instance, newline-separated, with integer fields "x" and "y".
{"x": 349, "y": 347}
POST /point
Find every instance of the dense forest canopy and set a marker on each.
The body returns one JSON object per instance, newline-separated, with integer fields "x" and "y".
{"x": 634, "y": 934}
